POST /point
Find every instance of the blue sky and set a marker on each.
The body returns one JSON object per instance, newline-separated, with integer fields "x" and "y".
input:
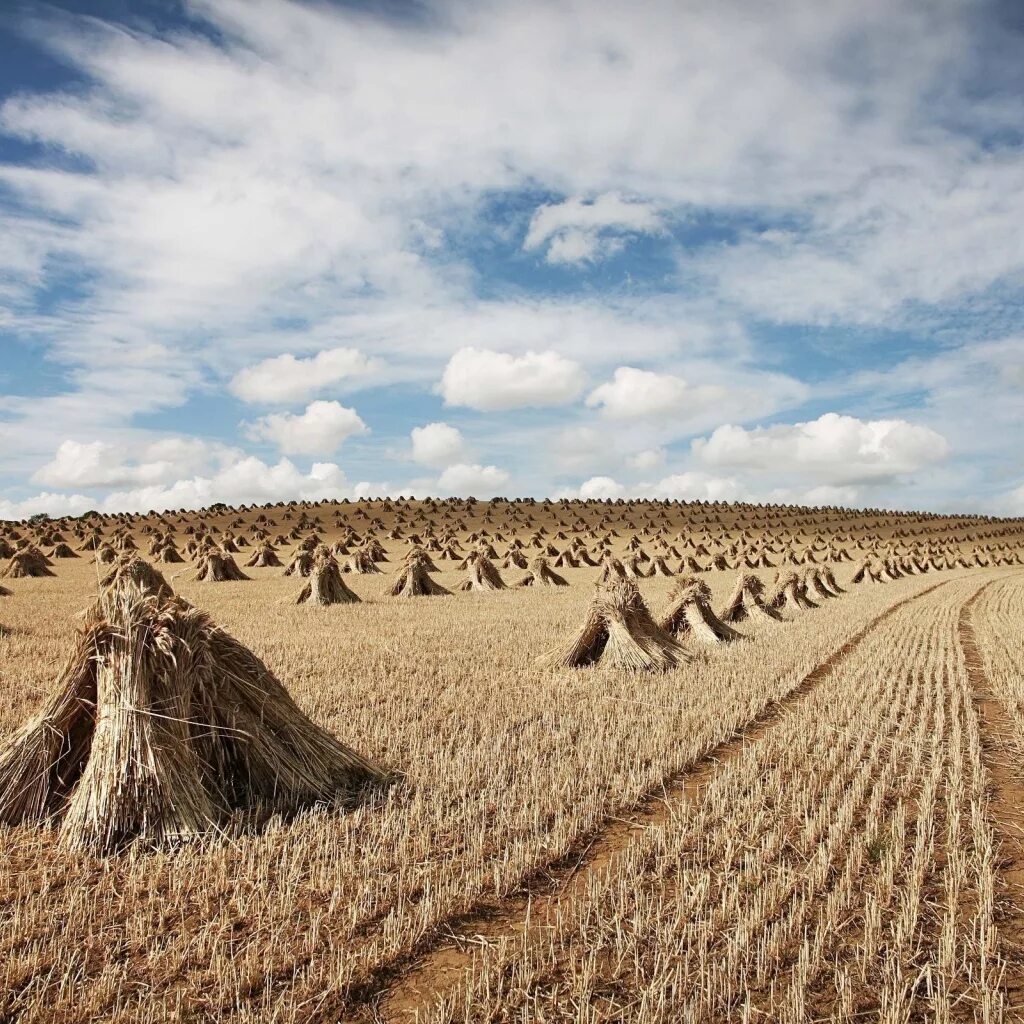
{"x": 253, "y": 250}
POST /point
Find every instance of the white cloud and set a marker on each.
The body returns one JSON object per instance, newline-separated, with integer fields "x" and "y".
{"x": 50, "y": 503}
{"x": 463, "y": 479}
{"x": 636, "y": 394}
{"x": 578, "y": 230}
{"x": 100, "y": 464}
{"x": 286, "y": 378}
{"x": 574, "y": 246}
{"x": 492, "y": 381}
{"x": 825, "y": 495}
{"x": 247, "y": 479}
{"x": 836, "y": 449}
{"x": 242, "y": 479}
{"x": 1012, "y": 503}
{"x": 600, "y": 487}
{"x": 693, "y": 486}
{"x": 437, "y": 444}
{"x": 646, "y": 460}
{"x": 679, "y": 486}
{"x": 319, "y": 430}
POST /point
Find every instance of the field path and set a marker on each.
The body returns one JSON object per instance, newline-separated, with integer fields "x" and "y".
{"x": 1006, "y": 807}
{"x": 442, "y": 964}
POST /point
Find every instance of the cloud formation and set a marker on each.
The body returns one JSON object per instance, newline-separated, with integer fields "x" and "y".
{"x": 463, "y": 480}
{"x": 319, "y": 430}
{"x": 287, "y": 202}
{"x": 833, "y": 448}
{"x": 578, "y": 231}
{"x": 437, "y": 444}
{"x": 497, "y": 381}
{"x": 286, "y": 379}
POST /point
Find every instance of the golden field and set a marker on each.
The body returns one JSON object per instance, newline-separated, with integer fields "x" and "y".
{"x": 818, "y": 821}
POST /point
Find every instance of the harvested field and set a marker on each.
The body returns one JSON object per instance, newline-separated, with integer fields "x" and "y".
{"x": 818, "y": 821}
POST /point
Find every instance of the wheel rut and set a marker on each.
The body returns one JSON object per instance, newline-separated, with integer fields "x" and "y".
{"x": 419, "y": 982}
{"x": 1000, "y": 750}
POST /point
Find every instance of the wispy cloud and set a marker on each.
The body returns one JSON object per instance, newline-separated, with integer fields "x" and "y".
{"x": 256, "y": 204}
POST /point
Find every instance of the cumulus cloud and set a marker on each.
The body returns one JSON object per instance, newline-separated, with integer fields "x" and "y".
{"x": 48, "y": 502}
{"x": 656, "y": 406}
{"x": 600, "y": 487}
{"x": 494, "y": 381}
{"x": 241, "y": 479}
{"x": 319, "y": 430}
{"x": 246, "y": 479}
{"x": 464, "y": 479}
{"x": 694, "y": 486}
{"x": 687, "y": 486}
{"x": 646, "y": 460}
{"x": 836, "y": 449}
{"x": 636, "y": 394}
{"x": 437, "y": 444}
{"x": 286, "y": 378}
{"x": 578, "y": 230}
{"x": 1012, "y": 502}
{"x": 100, "y": 464}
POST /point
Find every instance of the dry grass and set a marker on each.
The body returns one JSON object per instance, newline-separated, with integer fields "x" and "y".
{"x": 844, "y": 861}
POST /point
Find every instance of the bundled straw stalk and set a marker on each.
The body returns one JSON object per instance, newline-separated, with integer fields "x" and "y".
{"x": 690, "y": 614}
{"x": 542, "y": 575}
{"x": 618, "y": 632}
{"x": 747, "y": 602}
{"x": 162, "y": 726}
{"x": 326, "y": 585}
{"x": 413, "y": 580}
{"x": 482, "y": 575}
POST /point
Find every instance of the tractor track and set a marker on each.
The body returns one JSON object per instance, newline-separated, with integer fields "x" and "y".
{"x": 1000, "y": 751}
{"x": 406, "y": 989}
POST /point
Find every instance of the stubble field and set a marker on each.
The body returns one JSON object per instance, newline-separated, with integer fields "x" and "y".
{"x": 817, "y": 821}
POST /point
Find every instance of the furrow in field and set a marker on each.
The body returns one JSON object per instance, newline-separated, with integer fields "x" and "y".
{"x": 1000, "y": 746}
{"x": 445, "y": 957}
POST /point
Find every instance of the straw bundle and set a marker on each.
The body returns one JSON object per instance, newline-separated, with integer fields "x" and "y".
{"x": 62, "y": 550}
{"x": 105, "y": 555}
{"x": 413, "y": 580}
{"x": 690, "y": 614}
{"x": 326, "y": 585}
{"x": 482, "y": 574}
{"x": 417, "y": 554}
{"x": 542, "y": 575}
{"x": 612, "y": 569}
{"x": 361, "y": 563}
{"x": 301, "y": 564}
{"x": 789, "y": 594}
{"x": 219, "y": 567}
{"x": 659, "y": 567}
{"x": 375, "y": 550}
{"x": 263, "y": 557}
{"x": 747, "y": 602}
{"x": 26, "y": 563}
{"x": 815, "y": 587}
{"x": 162, "y": 726}
{"x": 618, "y": 632}
{"x": 134, "y": 571}
{"x": 169, "y": 554}
{"x": 634, "y": 570}
{"x": 866, "y": 570}
{"x": 515, "y": 559}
